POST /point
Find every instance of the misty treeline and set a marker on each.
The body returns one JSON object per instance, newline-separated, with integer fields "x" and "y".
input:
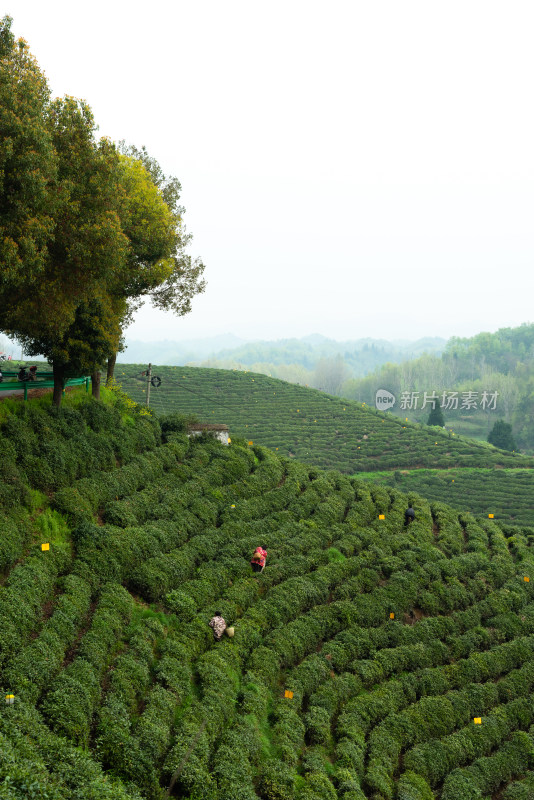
{"x": 317, "y": 361}
{"x": 329, "y": 374}
{"x": 500, "y": 362}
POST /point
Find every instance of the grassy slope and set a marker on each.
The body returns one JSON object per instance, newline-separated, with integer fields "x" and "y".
{"x": 391, "y": 640}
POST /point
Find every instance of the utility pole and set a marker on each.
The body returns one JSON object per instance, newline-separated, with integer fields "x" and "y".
{"x": 148, "y": 377}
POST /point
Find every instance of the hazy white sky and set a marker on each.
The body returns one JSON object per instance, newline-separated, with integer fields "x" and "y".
{"x": 349, "y": 168}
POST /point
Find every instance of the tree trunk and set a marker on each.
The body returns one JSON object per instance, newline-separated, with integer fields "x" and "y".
{"x": 59, "y": 384}
{"x": 95, "y": 384}
{"x": 111, "y": 368}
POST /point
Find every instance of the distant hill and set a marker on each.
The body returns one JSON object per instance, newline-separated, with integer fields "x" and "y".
{"x": 177, "y": 352}
{"x": 359, "y": 356}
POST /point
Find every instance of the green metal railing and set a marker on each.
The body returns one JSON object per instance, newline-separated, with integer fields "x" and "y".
{"x": 43, "y": 380}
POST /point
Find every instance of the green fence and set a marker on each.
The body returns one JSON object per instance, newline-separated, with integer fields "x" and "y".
{"x": 43, "y": 381}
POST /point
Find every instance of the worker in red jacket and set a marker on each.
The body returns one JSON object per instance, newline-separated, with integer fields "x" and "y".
{"x": 258, "y": 559}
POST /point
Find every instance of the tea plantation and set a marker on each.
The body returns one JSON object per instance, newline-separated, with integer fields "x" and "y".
{"x": 508, "y": 494}
{"x": 370, "y": 661}
{"x": 307, "y": 424}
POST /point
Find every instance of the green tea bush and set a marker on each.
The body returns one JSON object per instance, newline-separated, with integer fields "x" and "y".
{"x": 487, "y": 774}
{"x": 381, "y": 707}
{"x": 36, "y": 664}
{"x": 73, "y": 697}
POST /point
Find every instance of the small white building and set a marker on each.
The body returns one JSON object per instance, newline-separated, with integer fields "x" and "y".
{"x": 220, "y": 432}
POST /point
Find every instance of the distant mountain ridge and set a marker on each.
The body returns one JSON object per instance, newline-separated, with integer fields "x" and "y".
{"x": 178, "y": 353}
{"x": 360, "y": 355}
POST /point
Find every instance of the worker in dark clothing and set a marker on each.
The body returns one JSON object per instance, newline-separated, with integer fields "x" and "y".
{"x": 409, "y": 516}
{"x": 22, "y": 375}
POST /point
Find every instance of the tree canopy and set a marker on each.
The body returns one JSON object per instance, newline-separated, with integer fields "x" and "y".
{"x": 181, "y": 276}
{"x": 501, "y": 436}
{"x": 436, "y": 417}
{"x": 28, "y": 165}
{"x": 87, "y": 229}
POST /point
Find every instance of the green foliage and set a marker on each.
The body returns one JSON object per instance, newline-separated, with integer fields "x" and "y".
{"x": 506, "y": 493}
{"x": 486, "y": 363}
{"x": 501, "y": 436}
{"x": 105, "y": 644}
{"x": 413, "y": 787}
{"x": 436, "y": 417}
{"x": 27, "y": 168}
{"x": 334, "y": 554}
{"x": 81, "y": 222}
{"x": 175, "y": 423}
{"x": 181, "y": 604}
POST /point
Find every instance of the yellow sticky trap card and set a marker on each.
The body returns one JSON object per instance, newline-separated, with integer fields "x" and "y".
{"x": 233, "y": 505}
{"x": 526, "y": 579}
{"x": 381, "y": 516}
{"x": 250, "y": 442}
{"x": 392, "y": 615}
{"x": 477, "y": 720}
{"x": 288, "y": 694}
{"x": 45, "y": 546}
{"x": 10, "y": 699}
{"x": 491, "y": 516}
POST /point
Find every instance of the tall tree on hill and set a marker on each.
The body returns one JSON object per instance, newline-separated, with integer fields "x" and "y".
{"x": 125, "y": 206}
{"x": 87, "y": 249}
{"x": 436, "y": 416}
{"x": 501, "y": 436}
{"x": 84, "y": 345}
{"x": 28, "y": 166}
{"x": 86, "y": 230}
{"x": 174, "y": 289}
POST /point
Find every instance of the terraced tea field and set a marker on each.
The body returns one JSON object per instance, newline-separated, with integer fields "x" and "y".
{"x": 370, "y": 661}
{"x": 307, "y": 424}
{"x": 508, "y": 494}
